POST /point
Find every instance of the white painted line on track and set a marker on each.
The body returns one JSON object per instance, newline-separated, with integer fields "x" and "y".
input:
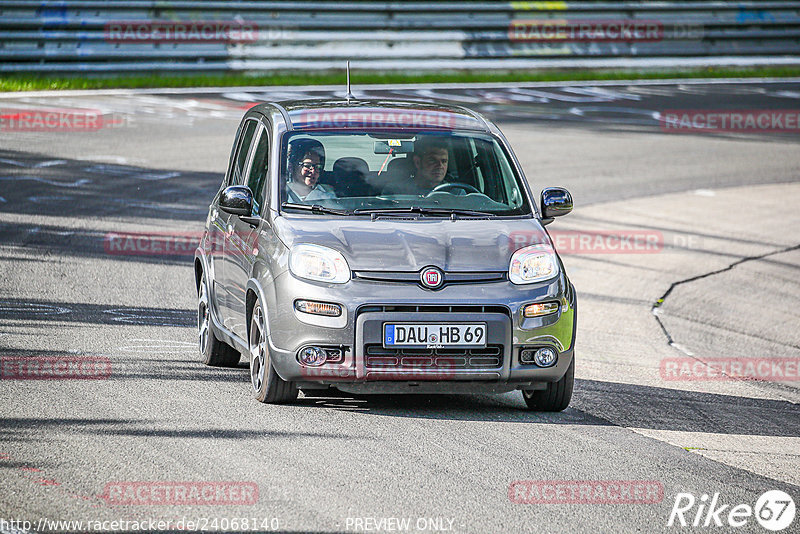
{"x": 49, "y": 198}
{"x": 162, "y": 345}
{"x": 119, "y": 160}
{"x": 76, "y": 183}
{"x": 38, "y": 165}
{"x": 682, "y": 349}
{"x": 705, "y": 193}
{"x": 147, "y": 317}
{"x": 38, "y": 309}
{"x": 51, "y": 163}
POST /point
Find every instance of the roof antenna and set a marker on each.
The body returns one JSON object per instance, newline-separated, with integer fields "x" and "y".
{"x": 349, "y": 95}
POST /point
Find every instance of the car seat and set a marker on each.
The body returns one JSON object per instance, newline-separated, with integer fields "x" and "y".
{"x": 349, "y": 177}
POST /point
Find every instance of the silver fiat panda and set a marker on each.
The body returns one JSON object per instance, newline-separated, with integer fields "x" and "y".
{"x": 384, "y": 247}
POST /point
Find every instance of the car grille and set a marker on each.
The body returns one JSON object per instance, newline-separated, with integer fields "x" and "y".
{"x": 433, "y": 308}
{"x": 450, "y": 278}
{"x": 378, "y": 357}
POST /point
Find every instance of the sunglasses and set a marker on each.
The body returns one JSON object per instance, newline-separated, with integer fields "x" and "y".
{"x": 311, "y": 166}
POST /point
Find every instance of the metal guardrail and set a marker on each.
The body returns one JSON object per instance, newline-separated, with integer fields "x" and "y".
{"x": 123, "y": 36}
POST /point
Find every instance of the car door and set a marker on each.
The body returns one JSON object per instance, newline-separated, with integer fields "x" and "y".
{"x": 236, "y": 171}
{"x": 217, "y": 229}
{"x": 240, "y": 255}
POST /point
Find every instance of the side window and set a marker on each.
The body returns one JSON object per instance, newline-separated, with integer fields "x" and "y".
{"x": 258, "y": 171}
{"x": 240, "y": 159}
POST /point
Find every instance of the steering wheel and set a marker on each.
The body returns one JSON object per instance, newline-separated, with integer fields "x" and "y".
{"x": 454, "y": 185}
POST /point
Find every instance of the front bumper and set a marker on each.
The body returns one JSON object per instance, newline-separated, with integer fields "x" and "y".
{"x": 368, "y": 305}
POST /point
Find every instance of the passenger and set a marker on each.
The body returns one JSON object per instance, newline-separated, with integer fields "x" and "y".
{"x": 430, "y": 158}
{"x": 306, "y": 161}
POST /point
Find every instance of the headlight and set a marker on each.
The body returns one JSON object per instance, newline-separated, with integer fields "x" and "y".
{"x": 315, "y": 262}
{"x": 533, "y": 264}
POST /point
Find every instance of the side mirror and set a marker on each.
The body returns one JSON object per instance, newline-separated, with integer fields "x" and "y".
{"x": 555, "y": 202}
{"x": 236, "y": 199}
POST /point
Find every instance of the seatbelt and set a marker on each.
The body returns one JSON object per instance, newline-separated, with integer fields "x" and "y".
{"x": 293, "y": 197}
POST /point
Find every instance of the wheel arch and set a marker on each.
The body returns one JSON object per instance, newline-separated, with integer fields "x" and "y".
{"x": 200, "y": 267}
{"x": 255, "y": 292}
{"x": 198, "y": 273}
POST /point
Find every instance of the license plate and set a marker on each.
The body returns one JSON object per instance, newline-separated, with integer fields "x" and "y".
{"x": 434, "y": 335}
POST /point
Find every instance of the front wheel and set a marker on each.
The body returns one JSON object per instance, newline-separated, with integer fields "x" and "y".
{"x": 555, "y": 397}
{"x": 268, "y": 387}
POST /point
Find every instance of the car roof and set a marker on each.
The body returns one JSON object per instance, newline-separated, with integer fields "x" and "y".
{"x": 327, "y": 114}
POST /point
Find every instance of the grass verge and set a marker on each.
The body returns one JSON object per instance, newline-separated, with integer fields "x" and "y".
{"x": 38, "y": 82}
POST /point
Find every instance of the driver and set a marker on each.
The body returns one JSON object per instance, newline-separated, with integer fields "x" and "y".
{"x": 306, "y": 161}
{"x": 431, "y": 156}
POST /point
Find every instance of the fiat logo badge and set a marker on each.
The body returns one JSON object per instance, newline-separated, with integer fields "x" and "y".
{"x": 431, "y": 277}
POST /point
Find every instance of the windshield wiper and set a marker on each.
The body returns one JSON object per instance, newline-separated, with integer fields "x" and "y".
{"x": 449, "y": 212}
{"x": 314, "y": 208}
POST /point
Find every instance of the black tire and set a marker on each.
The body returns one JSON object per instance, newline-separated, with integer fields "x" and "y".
{"x": 268, "y": 387}
{"x": 213, "y": 352}
{"x": 557, "y": 395}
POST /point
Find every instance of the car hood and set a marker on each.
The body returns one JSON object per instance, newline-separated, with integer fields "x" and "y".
{"x": 393, "y": 244}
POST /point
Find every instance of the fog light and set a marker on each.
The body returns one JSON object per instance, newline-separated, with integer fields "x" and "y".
{"x": 543, "y": 357}
{"x": 313, "y": 356}
{"x": 318, "y": 308}
{"x": 537, "y": 310}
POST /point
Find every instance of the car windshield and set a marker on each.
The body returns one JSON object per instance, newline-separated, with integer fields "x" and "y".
{"x": 430, "y": 173}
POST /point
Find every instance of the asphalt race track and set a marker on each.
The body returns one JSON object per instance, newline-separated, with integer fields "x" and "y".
{"x": 724, "y": 283}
